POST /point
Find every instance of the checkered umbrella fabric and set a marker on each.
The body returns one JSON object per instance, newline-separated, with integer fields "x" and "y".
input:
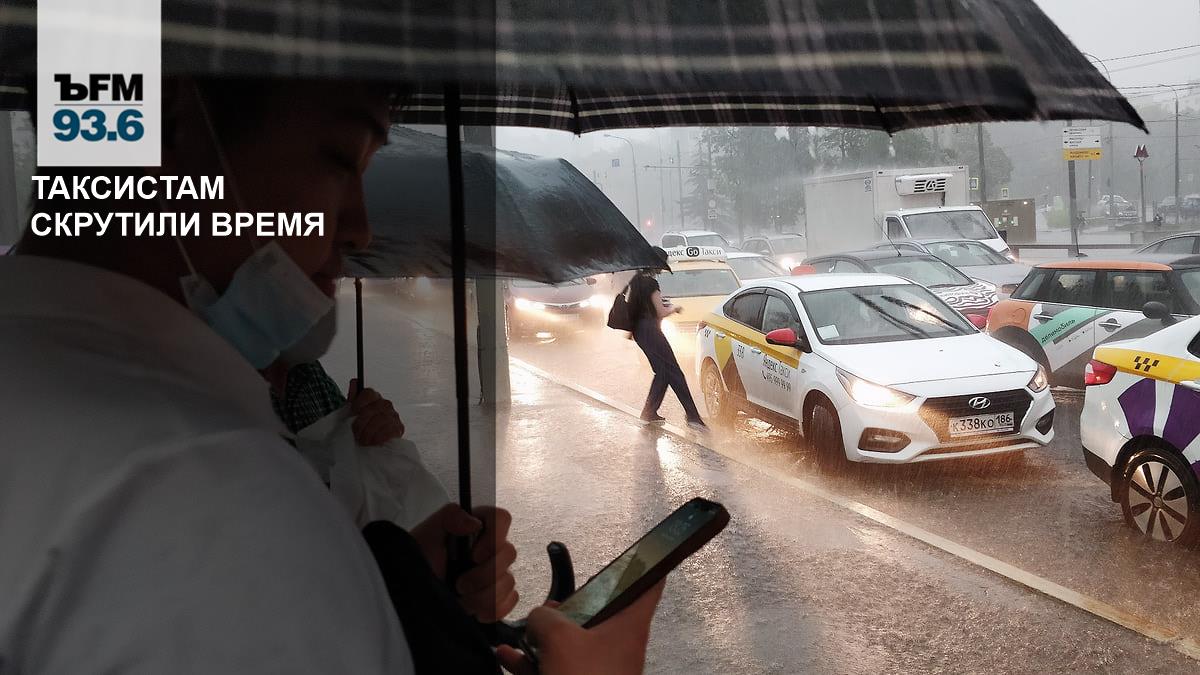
{"x": 584, "y": 66}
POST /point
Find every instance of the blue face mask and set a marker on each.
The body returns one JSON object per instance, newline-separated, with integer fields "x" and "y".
{"x": 270, "y": 309}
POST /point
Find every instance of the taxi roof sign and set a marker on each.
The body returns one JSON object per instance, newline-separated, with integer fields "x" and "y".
{"x": 686, "y": 253}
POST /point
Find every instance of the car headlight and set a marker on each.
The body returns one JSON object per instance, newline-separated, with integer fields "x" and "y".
{"x": 1039, "y": 381}
{"x": 788, "y": 264}
{"x": 585, "y": 303}
{"x": 869, "y": 393}
{"x": 599, "y": 301}
{"x": 528, "y": 305}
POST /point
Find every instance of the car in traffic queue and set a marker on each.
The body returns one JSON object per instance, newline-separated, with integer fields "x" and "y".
{"x": 786, "y": 249}
{"x": 869, "y": 368}
{"x": 695, "y": 238}
{"x": 700, "y": 278}
{"x": 1177, "y": 244}
{"x": 534, "y": 309}
{"x": 1140, "y": 427}
{"x": 1064, "y": 310}
{"x": 753, "y": 266}
{"x": 974, "y": 259}
{"x": 972, "y": 297}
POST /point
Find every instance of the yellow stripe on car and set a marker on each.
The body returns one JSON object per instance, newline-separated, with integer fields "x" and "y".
{"x": 1148, "y": 364}
{"x": 788, "y": 356}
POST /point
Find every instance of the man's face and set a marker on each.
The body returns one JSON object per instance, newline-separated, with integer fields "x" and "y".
{"x": 308, "y": 155}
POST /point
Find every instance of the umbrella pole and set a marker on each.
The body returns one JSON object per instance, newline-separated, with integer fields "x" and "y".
{"x": 458, "y": 256}
{"x": 358, "y": 331}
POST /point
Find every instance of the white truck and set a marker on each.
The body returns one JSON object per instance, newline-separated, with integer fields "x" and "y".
{"x": 858, "y": 210}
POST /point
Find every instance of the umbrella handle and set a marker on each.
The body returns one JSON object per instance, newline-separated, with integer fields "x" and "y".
{"x": 358, "y": 325}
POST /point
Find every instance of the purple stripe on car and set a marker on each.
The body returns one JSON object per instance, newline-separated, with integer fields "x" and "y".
{"x": 1137, "y": 402}
{"x": 1183, "y": 420}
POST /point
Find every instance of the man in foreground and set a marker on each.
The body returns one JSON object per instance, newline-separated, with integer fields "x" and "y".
{"x": 151, "y": 518}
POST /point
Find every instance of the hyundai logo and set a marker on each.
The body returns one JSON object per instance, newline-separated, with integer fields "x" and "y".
{"x": 979, "y": 402}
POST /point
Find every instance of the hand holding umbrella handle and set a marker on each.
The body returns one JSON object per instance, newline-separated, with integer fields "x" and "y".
{"x": 562, "y": 585}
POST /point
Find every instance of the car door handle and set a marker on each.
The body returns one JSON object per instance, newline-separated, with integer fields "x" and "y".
{"x": 755, "y": 350}
{"x": 721, "y": 336}
{"x": 1190, "y": 384}
{"x": 1111, "y": 324}
{"x": 1043, "y": 317}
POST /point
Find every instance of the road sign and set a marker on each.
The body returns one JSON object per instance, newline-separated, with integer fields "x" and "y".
{"x": 712, "y": 214}
{"x": 1141, "y": 154}
{"x": 1004, "y": 193}
{"x": 974, "y": 182}
{"x": 616, "y": 163}
{"x": 1075, "y": 154}
{"x": 1080, "y": 137}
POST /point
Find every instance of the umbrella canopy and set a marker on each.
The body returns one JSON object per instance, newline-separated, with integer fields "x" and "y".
{"x": 860, "y": 63}
{"x": 529, "y": 217}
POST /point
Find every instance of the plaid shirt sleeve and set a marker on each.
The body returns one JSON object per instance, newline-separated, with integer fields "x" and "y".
{"x": 309, "y": 394}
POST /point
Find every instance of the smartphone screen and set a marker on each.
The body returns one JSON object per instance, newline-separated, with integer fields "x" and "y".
{"x": 647, "y": 561}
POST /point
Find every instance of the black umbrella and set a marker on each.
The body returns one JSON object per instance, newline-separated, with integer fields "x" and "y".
{"x": 599, "y": 65}
{"x": 526, "y": 217}
{"x": 584, "y": 66}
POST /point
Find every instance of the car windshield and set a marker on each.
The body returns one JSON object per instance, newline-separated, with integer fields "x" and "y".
{"x": 925, "y": 271}
{"x": 755, "y": 268}
{"x": 966, "y": 253}
{"x": 1191, "y": 281}
{"x": 694, "y": 283}
{"x": 864, "y": 314}
{"x": 707, "y": 240}
{"x": 965, "y": 224}
{"x": 789, "y": 245}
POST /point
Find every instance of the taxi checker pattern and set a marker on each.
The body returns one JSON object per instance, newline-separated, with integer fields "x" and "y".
{"x": 1157, "y": 387}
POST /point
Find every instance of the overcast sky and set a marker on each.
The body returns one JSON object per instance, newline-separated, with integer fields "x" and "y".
{"x": 1103, "y": 28}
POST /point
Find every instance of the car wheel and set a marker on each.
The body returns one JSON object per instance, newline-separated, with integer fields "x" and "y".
{"x": 824, "y": 433}
{"x": 716, "y": 397}
{"x": 1160, "y": 496}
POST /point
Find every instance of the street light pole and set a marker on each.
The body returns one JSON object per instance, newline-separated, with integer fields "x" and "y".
{"x": 637, "y": 199}
{"x": 1112, "y": 149}
{"x": 1174, "y": 91}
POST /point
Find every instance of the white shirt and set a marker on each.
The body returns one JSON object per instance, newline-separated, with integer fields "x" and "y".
{"x": 151, "y": 518}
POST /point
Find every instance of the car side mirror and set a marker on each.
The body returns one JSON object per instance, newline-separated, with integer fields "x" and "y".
{"x": 1158, "y": 311}
{"x": 786, "y": 337}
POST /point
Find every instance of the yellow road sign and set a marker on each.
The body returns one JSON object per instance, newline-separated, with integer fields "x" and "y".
{"x": 1082, "y": 153}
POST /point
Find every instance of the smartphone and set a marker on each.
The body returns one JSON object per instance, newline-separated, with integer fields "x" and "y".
{"x": 646, "y": 562}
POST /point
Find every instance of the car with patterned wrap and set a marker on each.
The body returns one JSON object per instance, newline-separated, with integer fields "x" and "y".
{"x": 1063, "y": 310}
{"x": 967, "y": 295}
{"x": 869, "y": 368}
{"x": 1140, "y": 427}
{"x": 974, "y": 259}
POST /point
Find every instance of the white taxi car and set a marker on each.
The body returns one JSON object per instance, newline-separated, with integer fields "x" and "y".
{"x": 870, "y": 368}
{"x": 1140, "y": 428}
{"x": 699, "y": 280}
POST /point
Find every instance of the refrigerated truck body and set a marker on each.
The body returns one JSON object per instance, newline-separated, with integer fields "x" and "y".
{"x": 857, "y": 210}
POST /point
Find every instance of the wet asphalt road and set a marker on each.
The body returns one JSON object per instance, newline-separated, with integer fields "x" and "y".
{"x": 795, "y": 584}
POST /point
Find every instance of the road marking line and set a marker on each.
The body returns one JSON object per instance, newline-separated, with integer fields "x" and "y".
{"x": 1181, "y": 643}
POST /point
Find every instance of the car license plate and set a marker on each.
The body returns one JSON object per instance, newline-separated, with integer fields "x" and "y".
{"x": 981, "y": 424}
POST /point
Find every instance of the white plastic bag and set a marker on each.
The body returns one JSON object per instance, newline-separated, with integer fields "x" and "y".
{"x": 385, "y": 482}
